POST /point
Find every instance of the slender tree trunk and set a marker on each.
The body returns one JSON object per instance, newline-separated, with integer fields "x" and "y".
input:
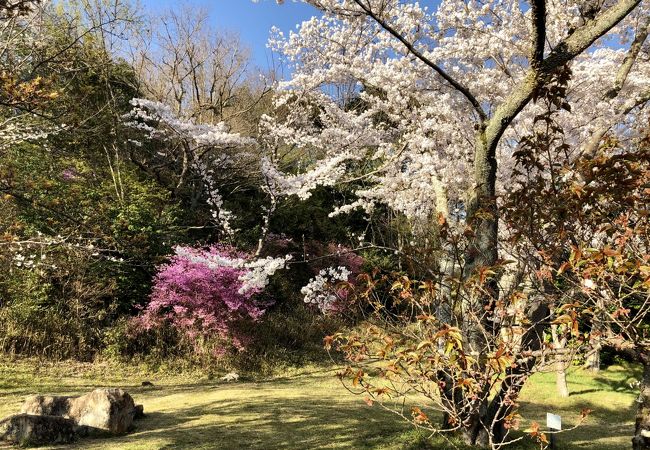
{"x": 592, "y": 362}
{"x": 641, "y": 440}
{"x": 560, "y": 377}
{"x": 560, "y": 364}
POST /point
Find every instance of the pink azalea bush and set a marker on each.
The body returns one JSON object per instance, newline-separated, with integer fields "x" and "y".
{"x": 199, "y": 292}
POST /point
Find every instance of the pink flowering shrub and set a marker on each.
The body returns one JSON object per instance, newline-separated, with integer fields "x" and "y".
{"x": 200, "y": 293}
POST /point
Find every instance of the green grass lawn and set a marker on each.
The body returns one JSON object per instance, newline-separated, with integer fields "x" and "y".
{"x": 306, "y": 409}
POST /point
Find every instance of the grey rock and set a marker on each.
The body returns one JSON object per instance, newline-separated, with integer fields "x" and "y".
{"x": 112, "y": 410}
{"x": 28, "y": 429}
{"x": 47, "y": 405}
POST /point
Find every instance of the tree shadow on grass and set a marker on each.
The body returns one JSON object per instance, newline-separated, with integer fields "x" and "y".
{"x": 302, "y": 413}
{"x": 305, "y": 423}
{"x": 21, "y": 390}
{"x": 604, "y": 428}
{"x": 263, "y": 423}
{"x": 624, "y": 383}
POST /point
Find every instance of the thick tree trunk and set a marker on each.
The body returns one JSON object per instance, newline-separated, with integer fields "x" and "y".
{"x": 475, "y": 433}
{"x": 482, "y": 211}
{"x": 482, "y": 252}
{"x": 641, "y": 440}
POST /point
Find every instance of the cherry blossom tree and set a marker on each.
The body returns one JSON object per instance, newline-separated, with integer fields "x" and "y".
{"x": 591, "y": 241}
{"x": 429, "y": 108}
{"x": 204, "y": 148}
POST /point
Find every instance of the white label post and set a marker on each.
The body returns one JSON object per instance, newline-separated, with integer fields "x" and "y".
{"x": 553, "y": 423}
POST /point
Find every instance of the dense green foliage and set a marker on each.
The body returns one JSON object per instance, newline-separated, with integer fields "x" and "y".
{"x": 86, "y": 215}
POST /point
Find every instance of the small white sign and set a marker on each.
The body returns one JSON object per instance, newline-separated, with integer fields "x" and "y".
{"x": 553, "y": 421}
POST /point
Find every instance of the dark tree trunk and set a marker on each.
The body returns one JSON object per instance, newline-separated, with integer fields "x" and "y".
{"x": 475, "y": 433}
{"x": 641, "y": 440}
{"x": 482, "y": 213}
{"x": 592, "y": 361}
{"x": 502, "y": 404}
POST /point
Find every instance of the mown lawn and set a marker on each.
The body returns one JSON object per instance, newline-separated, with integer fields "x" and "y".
{"x": 306, "y": 409}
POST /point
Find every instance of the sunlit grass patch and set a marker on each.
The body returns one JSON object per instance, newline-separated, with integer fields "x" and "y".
{"x": 303, "y": 409}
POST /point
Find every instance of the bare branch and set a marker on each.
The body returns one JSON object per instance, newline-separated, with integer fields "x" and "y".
{"x": 623, "y": 72}
{"x": 630, "y": 58}
{"x": 587, "y": 34}
{"x": 596, "y": 137}
{"x": 418, "y": 54}
{"x": 564, "y": 52}
{"x": 539, "y": 32}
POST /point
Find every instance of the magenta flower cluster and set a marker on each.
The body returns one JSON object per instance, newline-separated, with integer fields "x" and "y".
{"x": 201, "y": 298}
{"x": 69, "y": 174}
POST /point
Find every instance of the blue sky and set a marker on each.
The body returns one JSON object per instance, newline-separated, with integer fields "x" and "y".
{"x": 252, "y": 21}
